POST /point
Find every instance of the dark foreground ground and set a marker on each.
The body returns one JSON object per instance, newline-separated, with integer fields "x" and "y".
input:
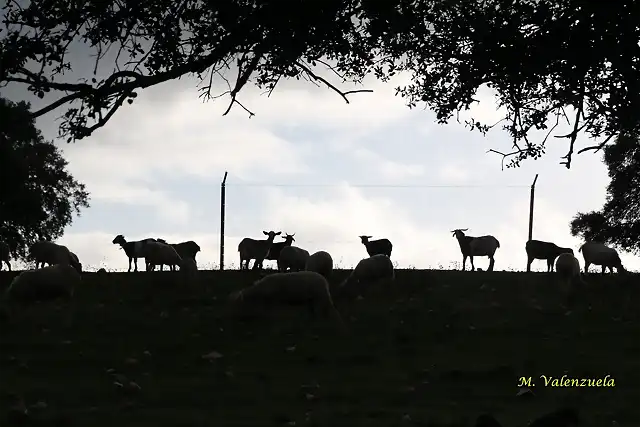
{"x": 443, "y": 348}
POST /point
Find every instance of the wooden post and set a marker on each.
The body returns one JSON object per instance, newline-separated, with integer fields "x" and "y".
{"x": 531, "y": 199}
{"x": 222, "y": 213}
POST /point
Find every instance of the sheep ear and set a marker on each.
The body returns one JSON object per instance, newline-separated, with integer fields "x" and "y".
{"x": 265, "y": 233}
{"x": 278, "y": 233}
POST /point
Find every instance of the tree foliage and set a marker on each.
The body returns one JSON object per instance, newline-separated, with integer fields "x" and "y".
{"x": 618, "y": 222}
{"x": 543, "y": 57}
{"x": 38, "y": 196}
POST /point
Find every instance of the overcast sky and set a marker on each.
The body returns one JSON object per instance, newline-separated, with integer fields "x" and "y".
{"x": 310, "y": 164}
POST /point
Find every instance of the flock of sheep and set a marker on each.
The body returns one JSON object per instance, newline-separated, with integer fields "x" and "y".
{"x": 304, "y": 284}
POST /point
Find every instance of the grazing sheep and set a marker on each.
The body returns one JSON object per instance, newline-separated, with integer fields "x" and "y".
{"x": 375, "y": 247}
{"x": 276, "y": 248}
{"x": 568, "y": 268}
{"x": 189, "y": 269}
{"x": 75, "y": 262}
{"x": 292, "y": 257}
{"x": 185, "y": 249}
{"x": 256, "y": 249}
{"x": 537, "y": 249}
{"x": 320, "y": 262}
{"x": 600, "y": 254}
{"x": 47, "y": 283}
{"x": 306, "y": 288}
{"x": 156, "y": 253}
{"x": 367, "y": 272}
{"x": 5, "y": 255}
{"x": 44, "y": 252}
{"x": 476, "y": 246}
{"x": 132, "y": 249}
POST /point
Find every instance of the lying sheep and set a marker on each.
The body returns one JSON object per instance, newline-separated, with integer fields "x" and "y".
{"x": 44, "y": 284}
{"x": 156, "y": 253}
{"x": 367, "y": 272}
{"x": 303, "y": 288}
{"x": 375, "y": 247}
{"x": 600, "y": 254}
{"x": 320, "y": 262}
{"x": 537, "y": 249}
{"x": 5, "y": 255}
{"x": 292, "y": 257}
{"x": 44, "y": 252}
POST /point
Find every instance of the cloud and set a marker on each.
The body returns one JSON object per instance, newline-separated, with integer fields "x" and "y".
{"x": 453, "y": 173}
{"x": 388, "y": 168}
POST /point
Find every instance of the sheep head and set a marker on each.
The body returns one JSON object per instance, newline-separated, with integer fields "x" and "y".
{"x": 119, "y": 240}
{"x": 365, "y": 239}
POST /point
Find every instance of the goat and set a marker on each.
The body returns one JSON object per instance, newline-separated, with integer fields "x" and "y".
{"x": 375, "y": 247}
{"x": 276, "y": 248}
{"x": 476, "y": 246}
{"x": 134, "y": 250}
{"x": 537, "y": 249}
{"x": 256, "y": 249}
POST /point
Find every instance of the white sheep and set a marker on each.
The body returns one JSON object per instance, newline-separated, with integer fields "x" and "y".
{"x": 292, "y": 257}
{"x": 568, "y": 268}
{"x": 156, "y": 253}
{"x": 368, "y": 272}
{"x": 302, "y": 288}
{"x": 600, "y": 254}
{"x": 320, "y": 262}
{"x": 44, "y": 284}
{"x": 44, "y": 252}
{"x": 476, "y": 246}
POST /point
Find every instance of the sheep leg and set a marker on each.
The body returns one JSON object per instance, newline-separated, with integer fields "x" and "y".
{"x": 586, "y": 267}
{"x": 473, "y": 267}
{"x": 529, "y": 261}
{"x": 464, "y": 262}
{"x": 549, "y": 265}
{"x": 491, "y": 263}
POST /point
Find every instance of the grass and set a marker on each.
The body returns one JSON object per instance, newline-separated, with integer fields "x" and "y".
{"x": 442, "y": 348}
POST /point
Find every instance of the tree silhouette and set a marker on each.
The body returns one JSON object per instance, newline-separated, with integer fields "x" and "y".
{"x": 38, "y": 196}
{"x": 546, "y": 59}
{"x": 618, "y": 222}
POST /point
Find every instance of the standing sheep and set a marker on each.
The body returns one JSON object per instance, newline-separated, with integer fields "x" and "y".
{"x": 367, "y": 272}
{"x": 320, "y": 262}
{"x": 276, "y": 248}
{"x": 600, "y": 254}
{"x": 303, "y": 288}
{"x": 476, "y": 246}
{"x": 256, "y": 249}
{"x": 132, "y": 249}
{"x": 375, "y": 247}
{"x": 43, "y": 252}
{"x": 292, "y": 257}
{"x": 5, "y": 255}
{"x": 44, "y": 284}
{"x": 156, "y": 253}
{"x": 537, "y": 249}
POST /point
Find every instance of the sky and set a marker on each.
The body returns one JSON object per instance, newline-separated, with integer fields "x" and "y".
{"x": 310, "y": 164}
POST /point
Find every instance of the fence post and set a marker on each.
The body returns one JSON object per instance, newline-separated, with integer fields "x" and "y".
{"x": 531, "y": 199}
{"x": 222, "y": 209}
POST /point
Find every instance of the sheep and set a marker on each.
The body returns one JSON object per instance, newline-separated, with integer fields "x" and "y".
{"x": 5, "y": 255}
{"x": 187, "y": 249}
{"x": 599, "y": 254}
{"x": 302, "y": 288}
{"x": 276, "y": 248}
{"x": 292, "y": 257}
{"x": 46, "y": 283}
{"x": 132, "y": 249}
{"x": 189, "y": 269}
{"x": 75, "y": 262}
{"x": 476, "y": 246}
{"x": 568, "y": 268}
{"x": 156, "y": 253}
{"x": 256, "y": 249}
{"x": 320, "y": 262}
{"x": 537, "y": 249}
{"x": 367, "y": 272}
{"x": 44, "y": 252}
{"x": 375, "y": 247}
